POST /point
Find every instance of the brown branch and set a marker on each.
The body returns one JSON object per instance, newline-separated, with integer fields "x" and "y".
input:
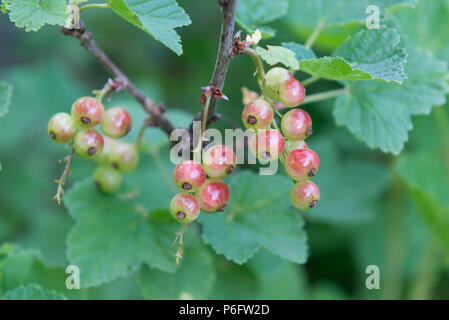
{"x": 148, "y": 104}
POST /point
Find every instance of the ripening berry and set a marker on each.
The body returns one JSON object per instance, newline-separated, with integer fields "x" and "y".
{"x": 116, "y": 122}
{"x": 267, "y": 145}
{"x": 257, "y": 114}
{"x": 274, "y": 79}
{"x": 219, "y": 161}
{"x": 248, "y": 95}
{"x": 189, "y": 175}
{"x": 302, "y": 164}
{"x": 291, "y": 145}
{"x": 184, "y": 208}
{"x": 292, "y": 93}
{"x": 87, "y": 111}
{"x": 61, "y": 127}
{"x": 124, "y": 157}
{"x": 305, "y": 195}
{"x": 107, "y": 179}
{"x": 108, "y": 146}
{"x": 213, "y": 196}
{"x": 88, "y": 143}
{"x": 296, "y": 125}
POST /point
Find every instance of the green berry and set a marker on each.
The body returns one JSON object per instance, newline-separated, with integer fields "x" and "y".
{"x": 88, "y": 143}
{"x": 124, "y": 157}
{"x": 61, "y": 127}
{"x": 274, "y": 78}
{"x": 107, "y": 179}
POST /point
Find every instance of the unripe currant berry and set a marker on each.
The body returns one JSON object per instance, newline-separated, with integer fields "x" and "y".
{"x": 88, "y": 143}
{"x": 257, "y": 114}
{"x": 87, "y": 111}
{"x": 305, "y": 195}
{"x": 219, "y": 161}
{"x": 116, "y": 122}
{"x": 108, "y": 146}
{"x": 184, "y": 208}
{"x": 302, "y": 164}
{"x": 267, "y": 145}
{"x": 296, "y": 124}
{"x": 291, "y": 145}
{"x": 124, "y": 157}
{"x": 213, "y": 196}
{"x": 292, "y": 93}
{"x": 274, "y": 79}
{"x": 107, "y": 179}
{"x": 189, "y": 175}
{"x": 62, "y": 127}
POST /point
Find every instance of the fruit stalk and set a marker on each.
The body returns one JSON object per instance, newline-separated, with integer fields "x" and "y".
{"x": 61, "y": 180}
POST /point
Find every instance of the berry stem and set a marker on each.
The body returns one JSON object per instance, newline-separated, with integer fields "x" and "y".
{"x": 139, "y": 138}
{"x": 61, "y": 180}
{"x": 315, "y": 34}
{"x": 325, "y": 95}
{"x": 94, "y": 5}
{"x": 197, "y": 150}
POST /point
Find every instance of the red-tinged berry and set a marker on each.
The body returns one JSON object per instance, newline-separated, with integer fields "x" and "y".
{"x": 305, "y": 195}
{"x": 302, "y": 164}
{"x": 267, "y": 145}
{"x": 292, "y": 93}
{"x": 189, "y": 175}
{"x": 213, "y": 196}
{"x": 257, "y": 114}
{"x": 87, "y": 111}
{"x": 291, "y": 145}
{"x": 116, "y": 122}
{"x": 274, "y": 79}
{"x": 219, "y": 161}
{"x": 107, "y": 179}
{"x": 248, "y": 95}
{"x": 124, "y": 157}
{"x": 296, "y": 124}
{"x": 184, "y": 208}
{"x": 88, "y": 143}
{"x": 61, "y": 127}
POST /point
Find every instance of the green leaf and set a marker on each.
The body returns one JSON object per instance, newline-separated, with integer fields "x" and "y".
{"x": 33, "y": 14}
{"x": 5, "y": 97}
{"x": 254, "y": 14}
{"x": 259, "y": 214}
{"x": 32, "y": 292}
{"x": 276, "y": 54}
{"x": 159, "y": 18}
{"x": 300, "y": 50}
{"x": 368, "y": 55}
{"x": 380, "y": 113}
{"x": 192, "y": 280}
{"x": 113, "y": 235}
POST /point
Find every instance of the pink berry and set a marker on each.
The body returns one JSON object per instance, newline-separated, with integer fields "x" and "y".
{"x": 305, "y": 195}
{"x": 301, "y": 164}
{"x": 291, "y": 145}
{"x": 257, "y": 114}
{"x": 189, "y": 175}
{"x": 219, "y": 161}
{"x": 116, "y": 122}
{"x": 87, "y": 111}
{"x": 296, "y": 124}
{"x": 274, "y": 79}
{"x": 88, "y": 143}
{"x": 213, "y": 196}
{"x": 61, "y": 127}
{"x": 248, "y": 95}
{"x": 184, "y": 208}
{"x": 292, "y": 93}
{"x": 267, "y": 145}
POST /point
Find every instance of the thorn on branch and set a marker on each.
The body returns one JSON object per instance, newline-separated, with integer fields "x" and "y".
{"x": 212, "y": 91}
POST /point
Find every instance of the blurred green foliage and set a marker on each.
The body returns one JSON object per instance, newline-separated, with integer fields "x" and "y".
{"x": 392, "y": 212}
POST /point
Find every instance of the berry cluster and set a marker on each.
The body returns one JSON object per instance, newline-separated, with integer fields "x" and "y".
{"x": 113, "y": 156}
{"x": 287, "y": 143}
{"x": 202, "y": 184}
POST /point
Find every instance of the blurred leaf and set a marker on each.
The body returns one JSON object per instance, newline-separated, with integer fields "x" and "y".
{"x": 33, "y": 14}
{"x": 5, "y": 97}
{"x": 380, "y": 113}
{"x": 254, "y": 14}
{"x": 300, "y": 50}
{"x": 159, "y": 18}
{"x": 339, "y": 180}
{"x": 276, "y": 54}
{"x": 32, "y": 292}
{"x": 259, "y": 214}
{"x": 192, "y": 280}
{"x": 118, "y": 233}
